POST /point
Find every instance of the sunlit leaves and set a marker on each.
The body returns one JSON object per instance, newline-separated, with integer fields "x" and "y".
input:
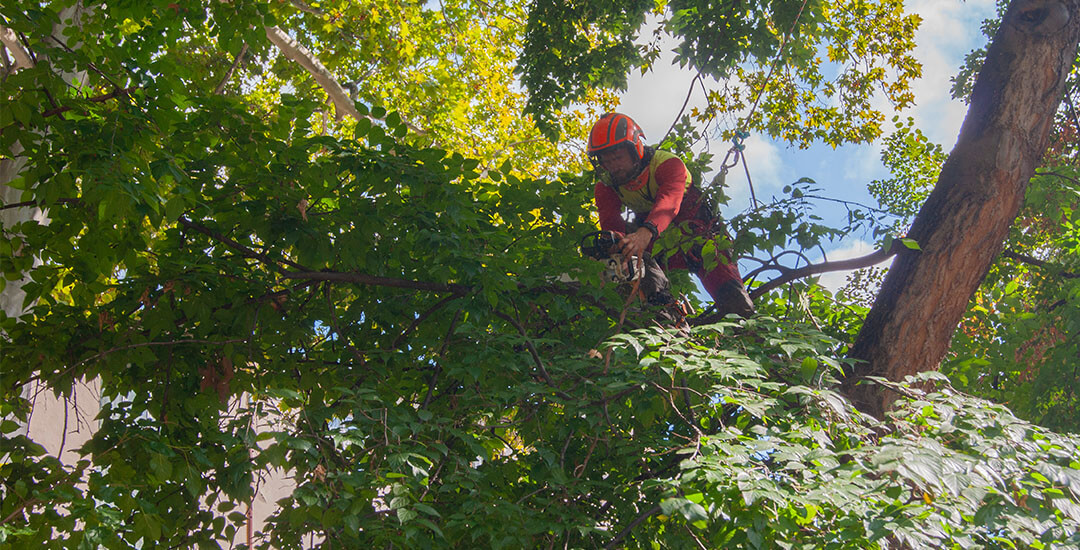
{"x": 801, "y": 71}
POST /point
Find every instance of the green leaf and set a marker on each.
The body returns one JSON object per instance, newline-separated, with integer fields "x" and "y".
{"x": 692, "y": 511}
{"x": 910, "y": 243}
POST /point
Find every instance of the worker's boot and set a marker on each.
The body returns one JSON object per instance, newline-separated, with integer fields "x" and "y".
{"x": 732, "y": 297}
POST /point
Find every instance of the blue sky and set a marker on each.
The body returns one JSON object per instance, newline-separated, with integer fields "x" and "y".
{"x": 950, "y": 29}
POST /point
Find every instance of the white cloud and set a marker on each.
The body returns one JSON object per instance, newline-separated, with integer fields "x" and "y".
{"x": 769, "y": 171}
{"x": 834, "y": 280}
{"x": 948, "y": 32}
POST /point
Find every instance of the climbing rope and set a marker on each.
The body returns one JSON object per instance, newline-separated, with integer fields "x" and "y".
{"x": 735, "y": 154}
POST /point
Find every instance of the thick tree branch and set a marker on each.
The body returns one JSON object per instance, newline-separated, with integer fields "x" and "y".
{"x": 292, "y": 49}
{"x": 962, "y": 226}
{"x": 825, "y": 267}
{"x": 363, "y": 279}
{"x": 11, "y": 42}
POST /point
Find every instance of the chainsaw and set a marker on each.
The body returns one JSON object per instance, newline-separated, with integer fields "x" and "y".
{"x": 600, "y": 245}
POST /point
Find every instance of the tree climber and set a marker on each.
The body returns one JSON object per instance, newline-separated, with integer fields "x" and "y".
{"x": 656, "y": 186}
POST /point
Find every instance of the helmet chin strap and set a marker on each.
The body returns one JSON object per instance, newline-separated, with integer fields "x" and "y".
{"x": 608, "y": 179}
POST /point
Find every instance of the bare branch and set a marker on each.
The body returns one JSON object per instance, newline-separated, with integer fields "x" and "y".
{"x": 824, "y": 267}
{"x": 1024, "y": 258}
{"x": 363, "y": 279}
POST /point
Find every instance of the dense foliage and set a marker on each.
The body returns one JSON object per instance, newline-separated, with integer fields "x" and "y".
{"x": 379, "y": 307}
{"x": 800, "y": 70}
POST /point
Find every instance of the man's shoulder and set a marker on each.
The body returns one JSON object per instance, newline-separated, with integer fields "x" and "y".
{"x": 661, "y": 156}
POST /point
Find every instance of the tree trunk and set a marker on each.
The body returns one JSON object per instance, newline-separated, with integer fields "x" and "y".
{"x": 963, "y": 224}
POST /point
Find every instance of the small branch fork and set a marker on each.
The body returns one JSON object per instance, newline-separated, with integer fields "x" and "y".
{"x": 824, "y": 267}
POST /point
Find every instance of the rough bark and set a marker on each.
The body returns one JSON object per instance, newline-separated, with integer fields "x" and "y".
{"x": 963, "y": 224}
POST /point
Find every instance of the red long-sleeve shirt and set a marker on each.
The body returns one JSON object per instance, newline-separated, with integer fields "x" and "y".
{"x": 670, "y": 179}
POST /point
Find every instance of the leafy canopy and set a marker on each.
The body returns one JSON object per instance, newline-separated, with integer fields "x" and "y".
{"x": 375, "y": 307}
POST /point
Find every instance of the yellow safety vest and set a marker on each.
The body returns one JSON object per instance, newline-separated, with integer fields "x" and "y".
{"x": 639, "y": 195}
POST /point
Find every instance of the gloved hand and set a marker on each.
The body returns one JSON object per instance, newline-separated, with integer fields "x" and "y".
{"x": 635, "y": 244}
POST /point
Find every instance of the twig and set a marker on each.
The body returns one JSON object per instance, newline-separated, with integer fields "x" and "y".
{"x": 773, "y": 263}
{"x": 27, "y": 204}
{"x": 360, "y": 278}
{"x": 20, "y": 508}
{"x": 153, "y": 344}
{"x": 618, "y": 327}
{"x": 438, "y": 364}
{"x": 270, "y": 262}
{"x": 420, "y": 319}
{"x": 1024, "y": 258}
{"x": 532, "y": 351}
{"x": 626, "y": 530}
{"x": 1071, "y": 107}
{"x": 671, "y": 400}
{"x": 773, "y": 65}
{"x": 337, "y": 330}
{"x": 697, "y": 540}
{"x": 88, "y": 63}
{"x": 522, "y": 499}
{"x": 1059, "y": 175}
{"x": 306, "y": 8}
{"x": 229, "y": 73}
{"x": 580, "y": 468}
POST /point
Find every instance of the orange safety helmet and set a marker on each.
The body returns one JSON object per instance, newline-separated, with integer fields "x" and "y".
{"x": 616, "y": 130}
